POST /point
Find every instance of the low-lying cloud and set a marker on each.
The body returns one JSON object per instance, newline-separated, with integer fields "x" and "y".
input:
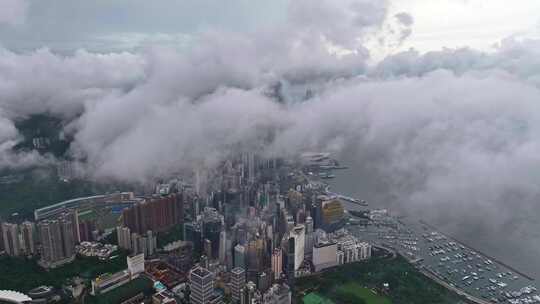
{"x": 453, "y": 130}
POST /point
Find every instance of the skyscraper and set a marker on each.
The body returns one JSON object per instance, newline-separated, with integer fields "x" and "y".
{"x": 240, "y": 256}
{"x": 277, "y": 263}
{"x": 28, "y": 238}
{"x": 67, "y": 232}
{"x": 201, "y": 283}
{"x": 212, "y": 223}
{"x": 208, "y": 248}
{"x": 223, "y": 247}
{"x": 123, "y": 235}
{"x": 238, "y": 281}
{"x": 10, "y": 233}
{"x": 146, "y": 243}
{"x": 251, "y": 294}
{"x": 297, "y": 234}
{"x": 57, "y": 239}
{"x": 308, "y": 248}
{"x": 155, "y": 213}
{"x": 193, "y": 234}
{"x": 264, "y": 282}
{"x": 290, "y": 258}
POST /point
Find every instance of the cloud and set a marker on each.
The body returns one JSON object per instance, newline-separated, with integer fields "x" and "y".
{"x": 42, "y": 82}
{"x": 517, "y": 57}
{"x": 137, "y": 116}
{"x": 13, "y": 12}
{"x": 343, "y": 23}
{"x": 113, "y": 102}
{"x": 404, "y": 18}
{"x": 439, "y": 134}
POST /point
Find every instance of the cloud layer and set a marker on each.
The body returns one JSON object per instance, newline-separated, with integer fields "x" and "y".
{"x": 13, "y": 12}
{"x": 452, "y": 131}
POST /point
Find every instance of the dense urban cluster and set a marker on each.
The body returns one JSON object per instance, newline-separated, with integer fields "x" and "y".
{"x": 249, "y": 228}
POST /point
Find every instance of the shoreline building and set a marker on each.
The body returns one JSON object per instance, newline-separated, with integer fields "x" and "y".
{"x": 296, "y": 239}
{"x": 325, "y": 256}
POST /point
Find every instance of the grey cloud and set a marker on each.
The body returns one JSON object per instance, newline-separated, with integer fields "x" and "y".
{"x": 340, "y": 22}
{"x": 106, "y": 99}
{"x": 405, "y": 18}
{"x": 167, "y": 138}
{"x": 13, "y": 12}
{"x": 42, "y": 82}
{"x": 512, "y": 56}
{"x": 65, "y": 25}
{"x": 441, "y": 134}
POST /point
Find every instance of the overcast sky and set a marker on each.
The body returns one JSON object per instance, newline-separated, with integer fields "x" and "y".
{"x": 473, "y": 23}
{"x": 104, "y": 25}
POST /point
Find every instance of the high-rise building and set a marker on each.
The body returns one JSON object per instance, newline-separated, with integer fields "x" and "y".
{"x": 193, "y": 234}
{"x": 278, "y": 294}
{"x": 201, "y": 283}
{"x": 290, "y": 269}
{"x": 277, "y": 263}
{"x": 240, "y": 256}
{"x": 180, "y": 255}
{"x": 223, "y": 247}
{"x": 364, "y": 251}
{"x": 248, "y": 166}
{"x": 332, "y": 212}
{"x": 123, "y": 235}
{"x": 28, "y": 232}
{"x": 86, "y": 229}
{"x": 251, "y": 294}
{"x": 155, "y": 213}
{"x": 238, "y": 281}
{"x": 324, "y": 255}
{"x": 264, "y": 282}
{"x": 208, "y": 248}
{"x": 68, "y": 241}
{"x": 298, "y": 235}
{"x": 255, "y": 251}
{"x": 1, "y": 237}
{"x": 146, "y": 243}
{"x": 229, "y": 259}
{"x": 308, "y": 248}
{"x": 49, "y": 232}
{"x": 212, "y": 224}
{"x": 135, "y": 265}
{"x": 57, "y": 240}
{"x": 10, "y": 234}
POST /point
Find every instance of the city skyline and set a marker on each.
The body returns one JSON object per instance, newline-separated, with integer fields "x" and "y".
{"x": 266, "y": 151}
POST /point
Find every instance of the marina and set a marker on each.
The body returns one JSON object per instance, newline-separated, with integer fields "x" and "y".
{"x": 476, "y": 275}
